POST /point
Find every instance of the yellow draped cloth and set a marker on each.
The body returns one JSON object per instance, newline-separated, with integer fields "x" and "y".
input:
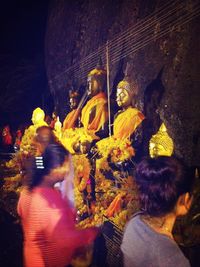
{"x": 99, "y": 102}
{"x": 69, "y": 121}
{"x": 126, "y": 123}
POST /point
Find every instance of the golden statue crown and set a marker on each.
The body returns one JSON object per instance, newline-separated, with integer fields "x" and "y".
{"x": 73, "y": 94}
{"x": 131, "y": 87}
{"x": 99, "y": 70}
{"x": 161, "y": 138}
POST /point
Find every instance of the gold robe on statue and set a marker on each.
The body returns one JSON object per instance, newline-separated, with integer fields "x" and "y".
{"x": 99, "y": 102}
{"x": 70, "y": 119}
{"x": 126, "y": 123}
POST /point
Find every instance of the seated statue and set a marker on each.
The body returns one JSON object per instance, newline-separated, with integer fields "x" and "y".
{"x": 128, "y": 118}
{"x": 161, "y": 143}
{"x": 72, "y": 119}
{"x": 118, "y": 148}
{"x": 94, "y": 114}
{"x": 38, "y": 117}
{"x": 114, "y": 163}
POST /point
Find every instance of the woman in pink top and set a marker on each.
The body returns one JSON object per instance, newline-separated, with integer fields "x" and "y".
{"x": 50, "y": 236}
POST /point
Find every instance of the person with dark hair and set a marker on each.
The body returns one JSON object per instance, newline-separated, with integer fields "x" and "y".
{"x": 50, "y": 236}
{"x": 165, "y": 193}
{"x": 44, "y": 136}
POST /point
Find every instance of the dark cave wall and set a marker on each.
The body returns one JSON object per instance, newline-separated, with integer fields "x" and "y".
{"x": 75, "y": 29}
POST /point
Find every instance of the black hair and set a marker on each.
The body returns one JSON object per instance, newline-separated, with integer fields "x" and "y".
{"x": 160, "y": 182}
{"x": 47, "y": 138}
{"x": 53, "y": 156}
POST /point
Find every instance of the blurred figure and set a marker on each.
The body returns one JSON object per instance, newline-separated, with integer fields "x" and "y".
{"x": 7, "y": 139}
{"x": 50, "y": 236}
{"x": 47, "y": 119}
{"x": 164, "y": 188}
{"x": 18, "y": 139}
{"x": 54, "y": 119}
{"x": 44, "y": 137}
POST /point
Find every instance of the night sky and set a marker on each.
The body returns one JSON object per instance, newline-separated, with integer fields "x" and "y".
{"x": 23, "y": 84}
{"x": 23, "y": 27}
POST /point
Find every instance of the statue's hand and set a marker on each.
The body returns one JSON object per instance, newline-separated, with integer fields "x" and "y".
{"x": 125, "y": 165}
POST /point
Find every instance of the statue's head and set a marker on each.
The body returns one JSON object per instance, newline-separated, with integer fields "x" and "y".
{"x": 44, "y": 134}
{"x": 38, "y": 116}
{"x": 54, "y": 115}
{"x": 19, "y": 133}
{"x": 126, "y": 91}
{"x": 161, "y": 143}
{"x": 82, "y": 147}
{"x": 6, "y": 130}
{"x": 73, "y": 99}
{"x": 96, "y": 80}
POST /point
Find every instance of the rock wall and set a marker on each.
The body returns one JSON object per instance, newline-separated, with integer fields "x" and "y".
{"x": 148, "y": 34}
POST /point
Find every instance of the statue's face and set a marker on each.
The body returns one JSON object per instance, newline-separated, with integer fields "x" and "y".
{"x": 82, "y": 148}
{"x": 6, "y": 130}
{"x": 123, "y": 98}
{"x": 73, "y": 102}
{"x": 85, "y": 147}
{"x": 161, "y": 143}
{"x": 54, "y": 116}
{"x": 156, "y": 150}
{"x": 93, "y": 86}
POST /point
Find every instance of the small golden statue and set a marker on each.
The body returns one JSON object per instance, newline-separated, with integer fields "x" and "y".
{"x": 58, "y": 128}
{"x": 161, "y": 144}
{"x": 38, "y": 117}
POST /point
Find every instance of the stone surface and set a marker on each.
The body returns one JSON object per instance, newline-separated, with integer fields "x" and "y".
{"x": 164, "y": 34}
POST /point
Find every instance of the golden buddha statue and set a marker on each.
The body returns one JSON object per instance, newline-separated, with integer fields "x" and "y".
{"x": 119, "y": 145}
{"x": 58, "y": 128}
{"x": 125, "y": 92}
{"x": 114, "y": 164}
{"x": 72, "y": 119}
{"x": 161, "y": 144}
{"x": 38, "y": 119}
{"x": 94, "y": 114}
{"x": 128, "y": 118}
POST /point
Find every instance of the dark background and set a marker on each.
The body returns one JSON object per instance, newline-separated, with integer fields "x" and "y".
{"x": 23, "y": 82}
